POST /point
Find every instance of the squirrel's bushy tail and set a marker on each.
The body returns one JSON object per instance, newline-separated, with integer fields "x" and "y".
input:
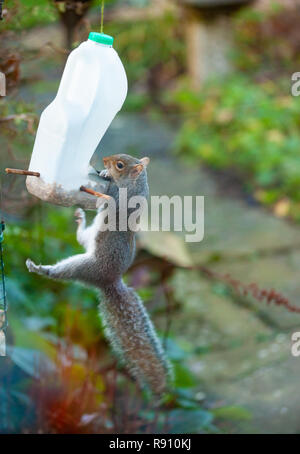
{"x": 131, "y": 333}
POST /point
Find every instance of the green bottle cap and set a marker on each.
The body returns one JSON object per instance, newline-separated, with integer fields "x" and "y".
{"x": 101, "y": 38}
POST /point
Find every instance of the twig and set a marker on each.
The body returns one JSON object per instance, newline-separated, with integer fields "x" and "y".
{"x": 241, "y": 289}
{"x": 22, "y": 172}
{"x": 57, "y": 49}
{"x": 95, "y": 193}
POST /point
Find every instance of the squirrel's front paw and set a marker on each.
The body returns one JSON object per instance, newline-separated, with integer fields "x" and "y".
{"x": 104, "y": 174}
{"x": 79, "y": 215}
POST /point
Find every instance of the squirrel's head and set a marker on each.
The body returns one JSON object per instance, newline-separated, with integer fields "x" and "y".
{"x": 122, "y": 167}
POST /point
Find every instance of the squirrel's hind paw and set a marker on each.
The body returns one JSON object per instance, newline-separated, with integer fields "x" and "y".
{"x": 44, "y": 270}
{"x": 31, "y": 266}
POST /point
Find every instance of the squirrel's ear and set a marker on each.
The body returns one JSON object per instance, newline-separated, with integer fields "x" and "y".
{"x": 145, "y": 161}
{"x": 136, "y": 170}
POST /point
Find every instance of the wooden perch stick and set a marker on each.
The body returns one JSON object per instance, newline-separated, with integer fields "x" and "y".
{"x": 97, "y": 194}
{"x": 22, "y": 172}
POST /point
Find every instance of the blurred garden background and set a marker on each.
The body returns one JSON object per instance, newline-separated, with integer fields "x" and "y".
{"x": 210, "y": 103}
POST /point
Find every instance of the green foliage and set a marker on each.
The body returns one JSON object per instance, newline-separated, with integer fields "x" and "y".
{"x": 268, "y": 42}
{"x": 250, "y": 129}
{"x": 183, "y": 377}
{"x": 25, "y": 14}
{"x": 29, "y": 13}
{"x": 232, "y": 413}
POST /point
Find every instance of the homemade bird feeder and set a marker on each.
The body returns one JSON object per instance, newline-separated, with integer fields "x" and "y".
{"x": 93, "y": 89}
{"x": 209, "y": 35}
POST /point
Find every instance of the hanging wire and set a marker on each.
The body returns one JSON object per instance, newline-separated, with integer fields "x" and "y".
{"x": 1, "y": 9}
{"x": 102, "y": 16}
{"x": 3, "y": 300}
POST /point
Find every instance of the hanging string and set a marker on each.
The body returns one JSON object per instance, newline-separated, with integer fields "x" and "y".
{"x": 102, "y": 16}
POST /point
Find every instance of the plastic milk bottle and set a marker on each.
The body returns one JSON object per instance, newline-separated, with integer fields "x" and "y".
{"x": 93, "y": 89}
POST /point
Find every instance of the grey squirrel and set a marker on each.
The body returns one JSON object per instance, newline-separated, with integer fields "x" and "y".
{"x": 108, "y": 256}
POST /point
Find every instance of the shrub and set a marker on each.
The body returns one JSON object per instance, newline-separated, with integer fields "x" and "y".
{"x": 252, "y": 129}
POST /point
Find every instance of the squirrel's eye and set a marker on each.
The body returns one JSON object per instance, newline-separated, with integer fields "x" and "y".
{"x": 120, "y": 165}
